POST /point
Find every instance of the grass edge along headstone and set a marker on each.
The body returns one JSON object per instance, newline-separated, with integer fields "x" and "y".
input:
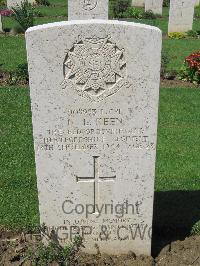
{"x": 94, "y": 89}
{"x": 87, "y": 9}
{"x": 181, "y": 15}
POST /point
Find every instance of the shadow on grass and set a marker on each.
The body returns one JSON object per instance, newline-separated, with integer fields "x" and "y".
{"x": 175, "y": 212}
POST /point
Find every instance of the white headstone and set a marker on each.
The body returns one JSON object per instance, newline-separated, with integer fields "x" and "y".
{"x": 87, "y": 9}
{"x": 139, "y": 3}
{"x": 155, "y": 6}
{"x": 181, "y": 15}
{"x": 15, "y": 3}
{"x": 94, "y": 94}
{"x": 1, "y": 27}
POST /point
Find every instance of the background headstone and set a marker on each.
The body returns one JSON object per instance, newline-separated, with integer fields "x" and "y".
{"x": 1, "y": 26}
{"x": 139, "y": 3}
{"x": 94, "y": 96}
{"x": 15, "y": 3}
{"x": 155, "y": 6}
{"x": 87, "y": 9}
{"x": 181, "y": 15}
{"x": 197, "y": 2}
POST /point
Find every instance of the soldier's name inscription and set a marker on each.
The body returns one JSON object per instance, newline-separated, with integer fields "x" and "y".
{"x": 92, "y": 129}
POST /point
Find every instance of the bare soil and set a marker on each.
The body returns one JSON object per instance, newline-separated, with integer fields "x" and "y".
{"x": 13, "y": 250}
{"x": 175, "y": 83}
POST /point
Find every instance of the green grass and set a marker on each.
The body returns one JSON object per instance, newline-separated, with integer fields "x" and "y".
{"x": 178, "y": 164}
{"x": 177, "y": 50}
{"x": 53, "y": 12}
{"x": 12, "y": 52}
{"x": 18, "y": 194}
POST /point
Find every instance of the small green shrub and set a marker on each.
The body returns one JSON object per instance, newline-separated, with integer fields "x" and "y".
{"x": 164, "y": 62}
{"x": 190, "y": 70}
{"x": 166, "y": 3}
{"x": 2, "y": 2}
{"x": 17, "y": 29}
{"x": 149, "y": 15}
{"x": 177, "y": 35}
{"x": 24, "y": 15}
{"x": 55, "y": 253}
{"x": 20, "y": 75}
{"x": 133, "y": 12}
{"x": 192, "y": 33}
{"x": 119, "y": 7}
{"x": 22, "y": 71}
{"x": 43, "y": 2}
{"x": 197, "y": 12}
{"x": 196, "y": 229}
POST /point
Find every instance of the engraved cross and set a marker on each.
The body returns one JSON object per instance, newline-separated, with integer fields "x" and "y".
{"x": 95, "y": 179}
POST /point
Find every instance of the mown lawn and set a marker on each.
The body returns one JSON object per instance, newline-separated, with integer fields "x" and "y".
{"x": 177, "y": 169}
{"x": 13, "y": 48}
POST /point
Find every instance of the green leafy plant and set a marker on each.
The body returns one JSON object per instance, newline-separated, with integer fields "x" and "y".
{"x": 196, "y": 229}
{"x": 43, "y": 2}
{"x": 177, "y": 35}
{"x": 24, "y": 15}
{"x": 119, "y": 7}
{"x": 17, "y": 29}
{"x": 149, "y": 15}
{"x": 43, "y": 255}
{"x": 164, "y": 62}
{"x": 197, "y": 12}
{"x": 166, "y": 3}
{"x": 133, "y": 12}
{"x": 2, "y": 2}
{"x": 190, "y": 70}
{"x": 20, "y": 75}
{"x": 192, "y": 33}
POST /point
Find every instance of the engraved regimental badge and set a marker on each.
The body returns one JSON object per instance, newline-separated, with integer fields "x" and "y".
{"x": 89, "y": 4}
{"x": 95, "y": 67}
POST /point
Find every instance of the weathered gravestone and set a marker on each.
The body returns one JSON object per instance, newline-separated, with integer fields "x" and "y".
{"x": 155, "y": 6}
{"x": 94, "y": 94}
{"x": 15, "y": 3}
{"x": 1, "y": 27}
{"x": 181, "y": 15}
{"x": 87, "y": 9}
{"x": 139, "y": 3}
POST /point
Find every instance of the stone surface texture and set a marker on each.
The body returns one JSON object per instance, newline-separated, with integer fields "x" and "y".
{"x": 181, "y": 15}
{"x": 139, "y": 3}
{"x": 94, "y": 96}
{"x": 155, "y": 6}
{"x": 87, "y": 9}
{"x": 15, "y": 3}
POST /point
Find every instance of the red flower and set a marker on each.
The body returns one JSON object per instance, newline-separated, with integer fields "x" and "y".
{"x": 193, "y": 61}
{"x": 6, "y": 12}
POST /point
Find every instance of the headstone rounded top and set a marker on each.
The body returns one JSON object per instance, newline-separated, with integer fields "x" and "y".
{"x": 87, "y": 9}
